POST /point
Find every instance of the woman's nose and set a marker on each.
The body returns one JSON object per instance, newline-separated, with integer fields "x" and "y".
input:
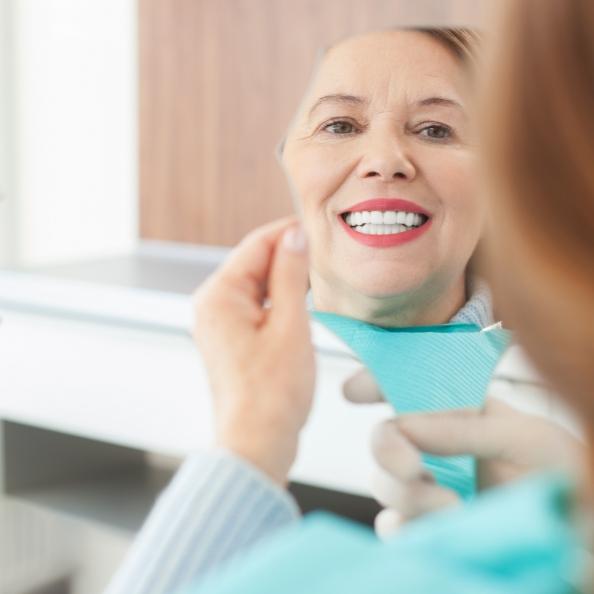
{"x": 386, "y": 159}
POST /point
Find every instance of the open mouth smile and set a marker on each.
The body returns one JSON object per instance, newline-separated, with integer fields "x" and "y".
{"x": 385, "y": 222}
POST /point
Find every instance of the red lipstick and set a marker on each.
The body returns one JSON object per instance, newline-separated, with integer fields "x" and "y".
{"x": 393, "y": 239}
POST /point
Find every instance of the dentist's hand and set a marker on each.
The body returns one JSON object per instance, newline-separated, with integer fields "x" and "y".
{"x": 506, "y": 443}
{"x": 259, "y": 359}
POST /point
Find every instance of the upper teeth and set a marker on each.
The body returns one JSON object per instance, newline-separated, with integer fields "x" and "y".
{"x": 388, "y": 217}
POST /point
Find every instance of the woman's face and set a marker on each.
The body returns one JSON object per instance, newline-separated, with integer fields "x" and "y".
{"x": 381, "y": 160}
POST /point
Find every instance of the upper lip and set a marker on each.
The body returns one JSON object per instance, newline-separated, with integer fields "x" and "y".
{"x": 398, "y": 204}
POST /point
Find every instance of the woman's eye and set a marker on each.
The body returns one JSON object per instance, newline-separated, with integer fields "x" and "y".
{"x": 339, "y": 127}
{"x": 436, "y": 132}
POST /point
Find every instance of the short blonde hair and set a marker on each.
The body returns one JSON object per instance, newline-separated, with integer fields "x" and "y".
{"x": 464, "y": 43}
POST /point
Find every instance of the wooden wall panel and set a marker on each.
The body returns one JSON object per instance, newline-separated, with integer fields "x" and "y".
{"x": 219, "y": 81}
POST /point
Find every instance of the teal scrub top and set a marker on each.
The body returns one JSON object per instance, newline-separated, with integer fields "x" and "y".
{"x": 512, "y": 540}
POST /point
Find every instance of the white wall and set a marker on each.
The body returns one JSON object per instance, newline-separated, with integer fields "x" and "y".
{"x": 7, "y": 215}
{"x": 74, "y": 141}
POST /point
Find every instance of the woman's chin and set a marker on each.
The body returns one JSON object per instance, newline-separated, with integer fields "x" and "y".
{"x": 364, "y": 283}
{"x": 386, "y": 292}
{"x": 384, "y": 287}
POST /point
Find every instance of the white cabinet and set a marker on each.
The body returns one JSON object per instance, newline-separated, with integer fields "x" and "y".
{"x": 97, "y": 379}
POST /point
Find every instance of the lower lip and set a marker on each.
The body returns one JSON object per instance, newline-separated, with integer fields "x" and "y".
{"x": 385, "y": 241}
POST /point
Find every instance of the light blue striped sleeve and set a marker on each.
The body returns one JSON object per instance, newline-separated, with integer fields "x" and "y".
{"x": 216, "y": 506}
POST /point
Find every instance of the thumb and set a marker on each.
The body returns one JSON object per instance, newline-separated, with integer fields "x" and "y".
{"x": 361, "y": 388}
{"x": 458, "y": 432}
{"x": 289, "y": 278}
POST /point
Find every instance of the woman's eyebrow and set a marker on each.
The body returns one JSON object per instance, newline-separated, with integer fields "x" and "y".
{"x": 338, "y": 98}
{"x": 444, "y": 101}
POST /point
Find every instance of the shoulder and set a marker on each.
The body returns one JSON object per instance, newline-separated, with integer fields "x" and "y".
{"x": 472, "y": 549}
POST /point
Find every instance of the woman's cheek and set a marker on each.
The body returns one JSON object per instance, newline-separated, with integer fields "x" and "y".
{"x": 303, "y": 171}
{"x": 454, "y": 181}
{"x": 463, "y": 212}
{"x": 307, "y": 181}
{"x": 316, "y": 178}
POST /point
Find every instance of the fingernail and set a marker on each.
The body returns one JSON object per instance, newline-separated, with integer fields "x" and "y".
{"x": 294, "y": 239}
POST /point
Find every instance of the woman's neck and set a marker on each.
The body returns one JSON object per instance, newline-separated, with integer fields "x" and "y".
{"x": 417, "y": 308}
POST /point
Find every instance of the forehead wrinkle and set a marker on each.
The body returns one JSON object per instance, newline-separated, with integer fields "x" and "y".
{"x": 401, "y": 91}
{"x": 407, "y": 87}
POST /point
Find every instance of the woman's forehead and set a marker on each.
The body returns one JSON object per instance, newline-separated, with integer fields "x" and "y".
{"x": 398, "y": 63}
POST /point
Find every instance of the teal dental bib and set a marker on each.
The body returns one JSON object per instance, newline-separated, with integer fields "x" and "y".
{"x": 428, "y": 369}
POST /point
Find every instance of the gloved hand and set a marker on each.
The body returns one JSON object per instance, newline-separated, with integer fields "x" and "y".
{"x": 506, "y": 443}
{"x": 259, "y": 359}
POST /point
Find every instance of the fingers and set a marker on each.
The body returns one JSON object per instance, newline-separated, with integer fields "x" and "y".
{"x": 387, "y": 523}
{"x": 248, "y": 266}
{"x": 410, "y": 499}
{"x": 401, "y": 483}
{"x": 458, "y": 432}
{"x": 506, "y": 443}
{"x": 289, "y": 280}
{"x": 239, "y": 287}
{"x": 497, "y": 433}
{"x": 361, "y": 388}
{"x": 395, "y": 454}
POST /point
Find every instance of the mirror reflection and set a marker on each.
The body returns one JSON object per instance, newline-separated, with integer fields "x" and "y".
{"x": 381, "y": 160}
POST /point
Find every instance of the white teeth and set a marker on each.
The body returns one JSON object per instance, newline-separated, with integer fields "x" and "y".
{"x": 378, "y": 222}
{"x": 390, "y": 217}
{"x": 377, "y": 217}
{"x": 370, "y": 229}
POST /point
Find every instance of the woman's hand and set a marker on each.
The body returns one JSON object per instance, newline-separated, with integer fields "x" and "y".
{"x": 252, "y": 329}
{"x": 506, "y": 443}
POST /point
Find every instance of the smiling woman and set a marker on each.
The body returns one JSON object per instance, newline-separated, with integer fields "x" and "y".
{"x": 381, "y": 159}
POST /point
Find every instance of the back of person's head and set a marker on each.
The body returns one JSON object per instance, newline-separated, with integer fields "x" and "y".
{"x": 539, "y": 143}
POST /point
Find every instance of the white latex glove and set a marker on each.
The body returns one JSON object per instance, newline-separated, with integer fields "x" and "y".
{"x": 506, "y": 443}
{"x": 259, "y": 359}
